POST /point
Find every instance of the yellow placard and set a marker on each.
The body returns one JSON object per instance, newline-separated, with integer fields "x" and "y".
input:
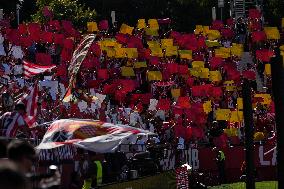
{"x": 92, "y": 26}
{"x": 120, "y": 52}
{"x": 110, "y": 52}
{"x": 234, "y": 116}
{"x": 153, "y": 44}
{"x": 229, "y": 85}
{"x": 195, "y": 72}
{"x": 175, "y": 93}
{"x": 167, "y": 43}
{"x": 107, "y": 43}
{"x": 223, "y": 52}
{"x": 141, "y": 24}
{"x": 153, "y": 23}
{"x": 215, "y": 76}
{"x": 272, "y": 33}
{"x": 266, "y": 98}
{"x": 151, "y": 32}
{"x": 157, "y": 52}
{"x": 131, "y": 52}
{"x": 207, "y": 107}
{"x": 125, "y": 29}
{"x": 282, "y": 23}
{"x": 258, "y": 136}
{"x": 267, "y": 69}
{"x": 213, "y": 34}
{"x": 214, "y": 43}
{"x": 127, "y": 71}
{"x": 198, "y": 64}
{"x": 198, "y": 29}
{"x": 223, "y": 114}
{"x": 154, "y": 76}
{"x": 185, "y": 54}
{"x": 140, "y": 65}
{"x": 237, "y": 50}
{"x": 204, "y": 73}
{"x": 231, "y": 132}
{"x": 241, "y": 115}
{"x": 172, "y": 51}
{"x": 281, "y": 48}
{"x": 240, "y": 103}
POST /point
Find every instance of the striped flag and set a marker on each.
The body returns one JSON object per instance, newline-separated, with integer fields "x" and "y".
{"x": 30, "y": 100}
{"x": 31, "y": 69}
{"x": 78, "y": 57}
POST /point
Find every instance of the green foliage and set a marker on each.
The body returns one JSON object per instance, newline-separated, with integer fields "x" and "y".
{"x": 65, "y": 10}
{"x": 241, "y": 185}
{"x": 274, "y": 11}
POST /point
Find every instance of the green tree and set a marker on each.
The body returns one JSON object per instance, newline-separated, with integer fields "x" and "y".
{"x": 70, "y": 10}
{"x": 273, "y": 10}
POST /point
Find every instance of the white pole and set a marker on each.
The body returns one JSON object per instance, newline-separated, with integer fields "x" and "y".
{"x": 213, "y": 13}
{"x": 1, "y": 14}
{"x": 18, "y": 13}
{"x": 112, "y": 17}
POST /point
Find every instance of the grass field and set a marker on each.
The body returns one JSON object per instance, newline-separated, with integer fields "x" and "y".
{"x": 241, "y": 185}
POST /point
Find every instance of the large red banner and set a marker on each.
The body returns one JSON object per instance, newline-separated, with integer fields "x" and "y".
{"x": 203, "y": 160}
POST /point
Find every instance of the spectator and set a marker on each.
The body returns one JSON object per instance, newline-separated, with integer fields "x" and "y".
{"x": 10, "y": 178}
{"x": 22, "y": 154}
{"x": 13, "y": 123}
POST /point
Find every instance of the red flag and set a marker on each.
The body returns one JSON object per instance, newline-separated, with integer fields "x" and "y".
{"x": 217, "y": 92}
{"x": 172, "y": 68}
{"x": 121, "y": 38}
{"x": 23, "y": 29}
{"x": 226, "y": 32}
{"x": 34, "y": 30}
{"x": 217, "y": 25}
{"x": 183, "y": 102}
{"x": 190, "y": 81}
{"x": 215, "y": 62}
{"x": 254, "y": 14}
{"x": 103, "y": 25}
{"x": 249, "y": 75}
{"x": 47, "y": 37}
{"x": 43, "y": 59}
{"x": 26, "y": 41}
{"x": 264, "y": 55}
{"x": 258, "y": 36}
{"x": 183, "y": 69}
{"x": 102, "y": 74}
{"x": 164, "y": 104}
{"x": 93, "y": 84}
{"x": 58, "y": 39}
{"x": 54, "y": 24}
{"x": 154, "y": 60}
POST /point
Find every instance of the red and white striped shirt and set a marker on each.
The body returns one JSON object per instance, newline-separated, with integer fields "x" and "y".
{"x": 10, "y": 123}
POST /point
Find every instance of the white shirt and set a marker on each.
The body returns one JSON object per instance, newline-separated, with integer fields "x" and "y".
{"x": 17, "y": 52}
{"x": 18, "y": 69}
{"x": 8, "y": 68}
{"x": 180, "y": 143}
{"x": 135, "y": 118}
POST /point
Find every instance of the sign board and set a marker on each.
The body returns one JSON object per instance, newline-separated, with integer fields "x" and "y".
{"x": 221, "y": 3}
{"x": 3, "y": 81}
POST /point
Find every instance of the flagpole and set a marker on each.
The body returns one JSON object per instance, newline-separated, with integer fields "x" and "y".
{"x": 249, "y": 130}
{"x": 278, "y": 94}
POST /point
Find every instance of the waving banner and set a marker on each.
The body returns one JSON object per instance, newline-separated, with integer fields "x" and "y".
{"x": 91, "y": 135}
{"x": 78, "y": 57}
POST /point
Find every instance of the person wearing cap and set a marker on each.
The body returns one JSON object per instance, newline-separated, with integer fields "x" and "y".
{"x": 12, "y": 124}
